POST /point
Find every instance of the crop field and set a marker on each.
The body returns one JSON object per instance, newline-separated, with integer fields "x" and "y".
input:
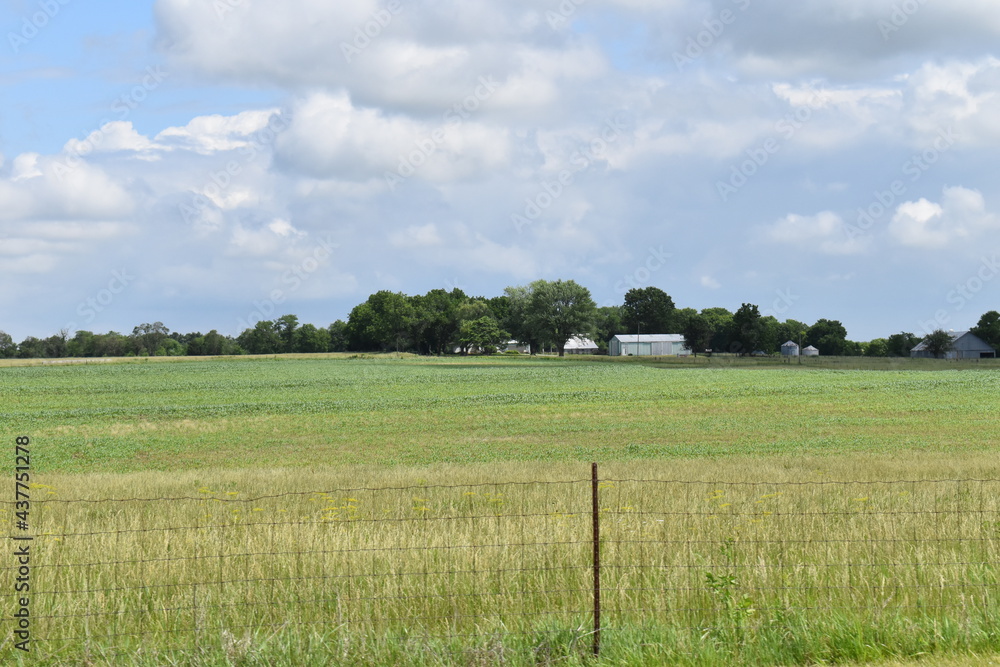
{"x": 437, "y": 511}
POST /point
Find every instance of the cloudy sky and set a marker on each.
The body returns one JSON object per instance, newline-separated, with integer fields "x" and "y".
{"x": 208, "y": 163}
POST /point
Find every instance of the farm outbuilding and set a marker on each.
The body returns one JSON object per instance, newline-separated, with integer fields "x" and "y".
{"x": 790, "y": 349}
{"x": 964, "y": 345}
{"x": 581, "y": 345}
{"x": 810, "y": 351}
{"x": 645, "y": 345}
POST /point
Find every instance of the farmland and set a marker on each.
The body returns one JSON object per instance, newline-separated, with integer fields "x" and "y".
{"x": 407, "y": 412}
{"x": 407, "y": 456}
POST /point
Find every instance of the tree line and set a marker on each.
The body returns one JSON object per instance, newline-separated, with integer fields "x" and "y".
{"x": 543, "y": 314}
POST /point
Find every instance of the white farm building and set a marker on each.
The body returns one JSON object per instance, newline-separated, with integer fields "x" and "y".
{"x": 581, "y": 345}
{"x": 645, "y": 345}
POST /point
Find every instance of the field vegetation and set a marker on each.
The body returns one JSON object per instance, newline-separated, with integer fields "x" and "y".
{"x": 317, "y": 506}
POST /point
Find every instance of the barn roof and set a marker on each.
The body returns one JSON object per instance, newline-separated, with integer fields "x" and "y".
{"x": 650, "y": 338}
{"x": 955, "y": 337}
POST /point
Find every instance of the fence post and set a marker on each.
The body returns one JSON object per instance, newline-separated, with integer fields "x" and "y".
{"x": 597, "y": 558}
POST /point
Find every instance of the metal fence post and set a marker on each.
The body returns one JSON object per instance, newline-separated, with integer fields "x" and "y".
{"x": 597, "y": 559}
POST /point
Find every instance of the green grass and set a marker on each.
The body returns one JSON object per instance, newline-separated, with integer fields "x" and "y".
{"x": 868, "y": 572}
{"x": 261, "y": 413}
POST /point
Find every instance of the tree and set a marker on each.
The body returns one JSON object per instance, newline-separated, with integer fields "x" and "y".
{"x": 721, "y": 322}
{"x": 876, "y": 348}
{"x": 938, "y": 343}
{"x": 748, "y": 330}
{"x": 518, "y": 306}
{"x": 383, "y": 322}
{"x": 899, "y": 345}
{"x": 147, "y": 338}
{"x": 8, "y": 348}
{"x": 607, "y": 324}
{"x": 338, "y": 336}
{"x": 309, "y": 339}
{"x": 560, "y": 310}
{"x": 262, "y": 339}
{"x": 286, "y": 326}
{"x": 648, "y": 310}
{"x": 829, "y": 337}
{"x": 697, "y": 334}
{"x": 483, "y": 334}
{"x": 988, "y": 329}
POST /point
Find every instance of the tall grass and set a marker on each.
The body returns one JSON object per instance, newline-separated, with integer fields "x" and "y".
{"x": 772, "y": 562}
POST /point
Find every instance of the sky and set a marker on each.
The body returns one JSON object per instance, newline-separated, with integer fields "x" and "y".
{"x": 212, "y": 163}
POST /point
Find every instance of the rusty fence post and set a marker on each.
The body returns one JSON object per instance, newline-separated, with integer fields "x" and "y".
{"x": 597, "y": 559}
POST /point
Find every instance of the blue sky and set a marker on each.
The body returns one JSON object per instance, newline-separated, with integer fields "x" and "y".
{"x": 207, "y": 163}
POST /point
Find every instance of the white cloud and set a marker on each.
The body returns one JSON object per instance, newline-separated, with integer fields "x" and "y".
{"x": 960, "y": 217}
{"x": 331, "y": 138}
{"x": 824, "y": 232}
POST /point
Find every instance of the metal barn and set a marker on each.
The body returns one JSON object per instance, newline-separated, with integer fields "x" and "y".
{"x": 964, "y": 345}
{"x": 645, "y": 345}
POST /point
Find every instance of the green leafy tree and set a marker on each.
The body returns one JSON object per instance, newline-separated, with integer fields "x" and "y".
{"x": 80, "y": 345}
{"x": 607, "y": 325}
{"x": 899, "y": 345}
{"x": 147, "y": 338}
{"x": 310, "y": 339}
{"x": 878, "y": 347}
{"x": 748, "y": 329}
{"x": 829, "y": 337}
{"x": 384, "y": 322}
{"x": 338, "y": 336}
{"x": 697, "y": 334}
{"x": 648, "y": 310}
{"x": 938, "y": 343}
{"x": 517, "y": 322}
{"x": 721, "y": 321}
{"x": 8, "y": 348}
{"x": 264, "y": 338}
{"x": 286, "y": 326}
{"x": 988, "y": 329}
{"x": 560, "y": 310}
{"x": 31, "y": 348}
{"x": 482, "y": 334}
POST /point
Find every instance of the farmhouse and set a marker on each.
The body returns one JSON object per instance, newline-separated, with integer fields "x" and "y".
{"x": 580, "y": 345}
{"x": 964, "y": 345}
{"x": 657, "y": 345}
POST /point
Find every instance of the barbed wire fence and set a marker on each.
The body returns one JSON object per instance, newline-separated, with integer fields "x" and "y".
{"x": 583, "y": 559}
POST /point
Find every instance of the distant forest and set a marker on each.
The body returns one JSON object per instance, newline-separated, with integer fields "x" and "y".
{"x": 543, "y": 314}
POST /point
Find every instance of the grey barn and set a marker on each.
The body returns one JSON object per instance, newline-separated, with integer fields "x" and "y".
{"x": 645, "y": 345}
{"x": 964, "y": 345}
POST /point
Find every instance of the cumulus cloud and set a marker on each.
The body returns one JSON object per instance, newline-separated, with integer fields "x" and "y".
{"x": 824, "y": 232}
{"x": 961, "y": 216}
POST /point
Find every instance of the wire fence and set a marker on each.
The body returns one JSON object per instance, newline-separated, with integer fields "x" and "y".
{"x": 590, "y": 557}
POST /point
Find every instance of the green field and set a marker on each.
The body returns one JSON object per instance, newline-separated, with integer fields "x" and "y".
{"x": 414, "y": 412}
{"x": 389, "y": 455}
